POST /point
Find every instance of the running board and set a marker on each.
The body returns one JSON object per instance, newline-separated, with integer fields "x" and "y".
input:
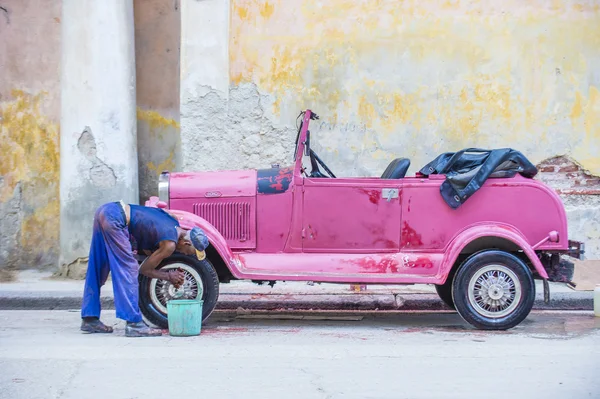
{"x": 342, "y": 268}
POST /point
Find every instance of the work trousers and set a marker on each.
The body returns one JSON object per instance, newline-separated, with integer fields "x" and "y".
{"x": 111, "y": 251}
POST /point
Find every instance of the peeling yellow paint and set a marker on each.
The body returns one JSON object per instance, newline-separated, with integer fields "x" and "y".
{"x": 167, "y": 164}
{"x": 29, "y": 144}
{"x": 156, "y": 120}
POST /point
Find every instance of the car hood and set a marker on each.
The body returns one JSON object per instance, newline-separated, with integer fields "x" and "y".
{"x": 220, "y": 184}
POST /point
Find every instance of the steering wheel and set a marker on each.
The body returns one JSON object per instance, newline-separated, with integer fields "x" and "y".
{"x": 315, "y": 161}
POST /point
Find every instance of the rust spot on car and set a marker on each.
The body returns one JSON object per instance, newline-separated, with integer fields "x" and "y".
{"x": 274, "y": 180}
{"x": 374, "y": 195}
{"x": 410, "y": 238}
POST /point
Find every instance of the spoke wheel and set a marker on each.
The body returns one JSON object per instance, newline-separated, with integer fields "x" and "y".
{"x": 200, "y": 281}
{"x": 494, "y": 291}
{"x": 162, "y": 291}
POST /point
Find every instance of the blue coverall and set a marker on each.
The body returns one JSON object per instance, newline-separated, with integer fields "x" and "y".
{"x": 111, "y": 251}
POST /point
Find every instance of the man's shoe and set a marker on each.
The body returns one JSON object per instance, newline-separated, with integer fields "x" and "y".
{"x": 94, "y": 326}
{"x": 140, "y": 329}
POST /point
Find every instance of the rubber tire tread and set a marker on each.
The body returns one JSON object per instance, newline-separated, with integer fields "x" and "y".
{"x": 444, "y": 291}
{"x": 210, "y": 282}
{"x": 461, "y": 282}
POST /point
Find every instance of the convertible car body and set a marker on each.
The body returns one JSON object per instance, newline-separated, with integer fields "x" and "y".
{"x": 285, "y": 223}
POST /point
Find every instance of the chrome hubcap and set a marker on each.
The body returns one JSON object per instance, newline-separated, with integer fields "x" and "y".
{"x": 162, "y": 291}
{"x": 494, "y": 291}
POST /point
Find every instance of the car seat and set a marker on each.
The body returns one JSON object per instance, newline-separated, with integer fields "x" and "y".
{"x": 396, "y": 169}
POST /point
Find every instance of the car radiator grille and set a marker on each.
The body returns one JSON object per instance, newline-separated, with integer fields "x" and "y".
{"x": 231, "y": 219}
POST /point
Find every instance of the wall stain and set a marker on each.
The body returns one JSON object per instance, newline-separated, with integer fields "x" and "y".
{"x": 266, "y": 10}
{"x": 29, "y": 144}
{"x": 167, "y": 164}
{"x": 156, "y": 120}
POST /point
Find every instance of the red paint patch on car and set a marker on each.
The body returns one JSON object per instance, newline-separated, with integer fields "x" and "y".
{"x": 385, "y": 265}
{"x": 273, "y": 181}
{"x": 277, "y": 186}
{"x": 374, "y": 195}
{"x": 410, "y": 238}
{"x": 423, "y": 262}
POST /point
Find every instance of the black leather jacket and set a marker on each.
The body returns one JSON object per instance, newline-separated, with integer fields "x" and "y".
{"x": 468, "y": 169}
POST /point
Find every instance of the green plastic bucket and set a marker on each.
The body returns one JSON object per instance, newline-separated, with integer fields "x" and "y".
{"x": 184, "y": 317}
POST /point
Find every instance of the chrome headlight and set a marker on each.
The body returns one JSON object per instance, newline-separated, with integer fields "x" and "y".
{"x": 163, "y": 187}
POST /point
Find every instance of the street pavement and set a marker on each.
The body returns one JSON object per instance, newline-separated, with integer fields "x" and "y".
{"x": 310, "y": 355}
{"x": 36, "y": 290}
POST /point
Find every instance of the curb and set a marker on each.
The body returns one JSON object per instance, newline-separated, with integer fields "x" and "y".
{"x": 357, "y": 302}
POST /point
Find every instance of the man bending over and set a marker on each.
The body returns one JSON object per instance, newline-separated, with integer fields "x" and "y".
{"x": 158, "y": 234}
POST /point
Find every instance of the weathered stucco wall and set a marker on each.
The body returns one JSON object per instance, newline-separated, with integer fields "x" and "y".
{"x": 394, "y": 78}
{"x": 157, "y": 36}
{"x": 29, "y": 130}
{"x": 223, "y": 126}
{"x": 30, "y": 107}
{"x": 413, "y": 78}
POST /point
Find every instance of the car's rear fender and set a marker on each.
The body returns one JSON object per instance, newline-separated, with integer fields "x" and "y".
{"x": 502, "y": 234}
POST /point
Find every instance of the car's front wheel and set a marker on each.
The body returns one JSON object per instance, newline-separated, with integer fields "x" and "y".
{"x": 201, "y": 280}
{"x": 493, "y": 290}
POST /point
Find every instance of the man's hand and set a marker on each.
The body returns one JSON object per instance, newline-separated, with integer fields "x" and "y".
{"x": 176, "y": 277}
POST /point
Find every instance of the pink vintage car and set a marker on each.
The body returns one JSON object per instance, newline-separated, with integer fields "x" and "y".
{"x": 285, "y": 223}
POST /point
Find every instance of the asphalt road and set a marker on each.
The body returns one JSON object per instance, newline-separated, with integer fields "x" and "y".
{"x": 550, "y": 355}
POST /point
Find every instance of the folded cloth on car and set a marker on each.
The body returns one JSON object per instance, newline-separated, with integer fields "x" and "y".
{"x": 466, "y": 170}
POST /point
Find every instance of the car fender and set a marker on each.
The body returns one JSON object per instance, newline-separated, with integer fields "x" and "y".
{"x": 188, "y": 220}
{"x": 472, "y": 233}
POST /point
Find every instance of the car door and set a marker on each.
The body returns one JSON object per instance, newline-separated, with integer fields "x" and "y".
{"x": 351, "y": 215}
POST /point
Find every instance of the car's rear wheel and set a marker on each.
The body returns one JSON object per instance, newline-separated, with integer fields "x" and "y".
{"x": 445, "y": 293}
{"x": 493, "y": 290}
{"x": 201, "y": 280}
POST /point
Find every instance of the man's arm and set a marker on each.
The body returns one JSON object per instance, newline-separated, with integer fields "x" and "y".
{"x": 165, "y": 249}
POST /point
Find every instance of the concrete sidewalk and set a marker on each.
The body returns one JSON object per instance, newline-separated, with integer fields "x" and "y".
{"x": 39, "y": 291}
